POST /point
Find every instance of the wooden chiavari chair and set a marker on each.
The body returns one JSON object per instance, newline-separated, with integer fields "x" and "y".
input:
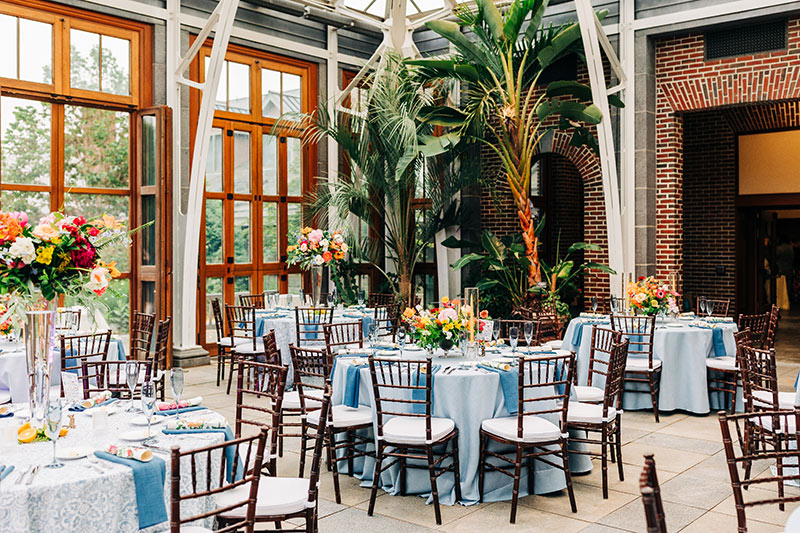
{"x": 258, "y": 301}
{"x": 161, "y": 355}
{"x": 507, "y": 324}
{"x": 259, "y": 396}
{"x": 784, "y": 454}
{"x": 600, "y": 368}
{"x": 99, "y": 376}
{"x": 235, "y": 494}
{"x": 726, "y": 370}
{"x": 292, "y": 405}
{"x": 385, "y": 320}
{"x": 651, "y": 497}
{"x": 642, "y": 367}
{"x": 719, "y": 307}
{"x": 343, "y": 335}
{"x": 376, "y": 299}
{"x": 272, "y": 354}
{"x": 406, "y": 429}
{"x": 144, "y": 325}
{"x": 604, "y": 418}
{"x": 75, "y": 349}
{"x": 309, "y": 322}
{"x": 546, "y": 329}
{"x": 312, "y": 370}
{"x": 758, "y": 326}
{"x": 242, "y": 327}
{"x": 538, "y": 430}
{"x": 224, "y": 343}
{"x": 772, "y": 327}
{"x": 68, "y": 320}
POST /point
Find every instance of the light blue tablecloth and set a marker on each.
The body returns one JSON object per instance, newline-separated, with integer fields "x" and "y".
{"x": 467, "y": 397}
{"x": 682, "y": 351}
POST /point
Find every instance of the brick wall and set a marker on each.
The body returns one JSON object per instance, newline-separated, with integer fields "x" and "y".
{"x": 566, "y": 199}
{"x": 685, "y": 82}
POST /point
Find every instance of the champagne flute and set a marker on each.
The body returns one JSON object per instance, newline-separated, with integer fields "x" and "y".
{"x": 371, "y": 336}
{"x": 131, "y": 377}
{"x": 701, "y": 306}
{"x": 594, "y": 304}
{"x": 361, "y": 297}
{"x": 528, "y": 330}
{"x": 176, "y": 383}
{"x": 52, "y": 428}
{"x": 401, "y": 339}
{"x": 148, "y": 405}
{"x": 614, "y": 305}
{"x": 513, "y": 338}
{"x": 495, "y": 330}
{"x": 709, "y": 307}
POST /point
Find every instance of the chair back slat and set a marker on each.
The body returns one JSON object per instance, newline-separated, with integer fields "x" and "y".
{"x": 68, "y": 319}
{"x": 759, "y": 375}
{"x": 77, "y": 349}
{"x": 544, "y": 387}
{"x": 142, "y": 331}
{"x": 758, "y": 326}
{"x": 241, "y": 321}
{"x": 271, "y": 351}
{"x": 405, "y": 385}
{"x": 385, "y": 317}
{"x": 309, "y": 322}
{"x": 612, "y": 395}
{"x": 253, "y": 300}
{"x": 219, "y": 324}
{"x": 603, "y": 341}
{"x": 639, "y": 331}
{"x": 772, "y": 327}
{"x": 376, "y": 299}
{"x": 343, "y": 335}
{"x": 651, "y": 497}
{"x": 161, "y": 352}
{"x": 259, "y": 397}
{"x": 99, "y": 376}
{"x": 507, "y": 324}
{"x": 312, "y": 369}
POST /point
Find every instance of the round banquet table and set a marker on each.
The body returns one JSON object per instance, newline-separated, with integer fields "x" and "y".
{"x": 78, "y": 497}
{"x": 14, "y": 370}
{"x": 683, "y": 351}
{"x": 468, "y": 396}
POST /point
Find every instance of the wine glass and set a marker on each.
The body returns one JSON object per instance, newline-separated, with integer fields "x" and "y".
{"x": 401, "y": 339}
{"x": 361, "y": 297}
{"x": 148, "y": 405}
{"x": 302, "y": 298}
{"x": 614, "y": 305}
{"x": 709, "y": 307}
{"x": 329, "y": 299}
{"x": 594, "y": 304}
{"x": 176, "y": 383}
{"x": 52, "y": 428}
{"x": 527, "y": 328}
{"x": 513, "y": 338}
{"x": 372, "y": 335}
{"x": 701, "y": 305}
{"x": 495, "y": 330}
{"x": 131, "y": 377}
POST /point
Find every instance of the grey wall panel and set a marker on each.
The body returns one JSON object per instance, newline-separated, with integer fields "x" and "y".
{"x": 358, "y": 44}
{"x": 562, "y": 12}
{"x": 430, "y": 43}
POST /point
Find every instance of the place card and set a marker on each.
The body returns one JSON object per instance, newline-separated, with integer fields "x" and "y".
{"x": 72, "y": 388}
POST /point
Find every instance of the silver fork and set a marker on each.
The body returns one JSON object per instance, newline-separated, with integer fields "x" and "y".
{"x": 23, "y": 474}
{"x": 33, "y": 474}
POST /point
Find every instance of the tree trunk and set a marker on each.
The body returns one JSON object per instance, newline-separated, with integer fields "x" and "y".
{"x": 528, "y": 235}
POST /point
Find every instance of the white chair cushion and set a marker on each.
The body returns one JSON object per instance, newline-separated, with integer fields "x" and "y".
{"x": 344, "y": 416}
{"x": 641, "y": 364}
{"x": 291, "y": 399}
{"x": 588, "y": 394}
{"x": 247, "y": 348}
{"x": 5, "y": 396}
{"x": 276, "y": 496}
{"x": 589, "y": 413}
{"x": 763, "y": 398}
{"x": 554, "y": 345}
{"x": 195, "y": 529}
{"x": 534, "y": 428}
{"x": 411, "y": 429}
{"x": 227, "y": 341}
{"x": 726, "y": 363}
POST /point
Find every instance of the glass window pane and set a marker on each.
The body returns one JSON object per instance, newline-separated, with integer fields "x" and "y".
{"x": 295, "y": 283}
{"x": 84, "y": 60}
{"x": 149, "y": 150}
{"x": 536, "y": 179}
{"x": 241, "y": 286}
{"x": 291, "y": 95}
{"x": 116, "y": 63}
{"x": 294, "y": 220}
{"x": 95, "y": 147}
{"x": 294, "y": 166}
{"x": 25, "y": 141}
{"x": 270, "y": 282}
{"x": 221, "y": 102}
{"x": 214, "y": 162}
{"x": 238, "y": 87}
{"x": 35, "y": 204}
{"x": 213, "y": 291}
{"x": 214, "y": 234}
{"x": 117, "y": 298}
{"x": 149, "y": 233}
{"x": 241, "y": 162}
{"x": 148, "y": 290}
{"x": 241, "y": 232}
{"x": 8, "y": 43}
{"x": 36, "y": 54}
{"x": 269, "y": 166}
{"x": 270, "y": 220}
{"x": 95, "y": 205}
{"x": 270, "y": 93}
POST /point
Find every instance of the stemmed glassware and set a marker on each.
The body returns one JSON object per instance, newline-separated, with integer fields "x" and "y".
{"x": 176, "y": 383}
{"x": 513, "y": 338}
{"x": 495, "y": 330}
{"x": 361, "y": 297}
{"x": 372, "y": 335}
{"x": 701, "y": 306}
{"x": 709, "y": 307}
{"x": 52, "y": 428}
{"x": 527, "y": 328}
{"x": 594, "y": 304}
{"x": 330, "y": 299}
{"x": 148, "y": 405}
{"x": 131, "y": 377}
{"x": 401, "y": 339}
{"x": 614, "y": 305}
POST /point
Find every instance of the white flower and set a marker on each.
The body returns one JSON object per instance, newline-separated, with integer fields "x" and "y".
{"x": 338, "y": 239}
{"x": 303, "y": 247}
{"x": 24, "y": 249}
{"x": 448, "y": 335}
{"x": 318, "y": 260}
{"x": 324, "y": 243}
{"x": 98, "y": 280}
{"x": 344, "y": 247}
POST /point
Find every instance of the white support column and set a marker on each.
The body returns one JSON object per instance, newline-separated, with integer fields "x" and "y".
{"x": 608, "y": 164}
{"x": 221, "y": 21}
{"x": 628, "y": 136}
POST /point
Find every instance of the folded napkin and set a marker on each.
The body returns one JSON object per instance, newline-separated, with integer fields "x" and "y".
{"x": 352, "y": 383}
{"x": 191, "y": 402}
{"x": 509, "y": 383}
{"x": 212, "y": 422}
{"x": 230, "y": 451}
{"x": 577, "y": 335}
{"x": 81, "y": 408}
{"x": 168, "y": 412}
{"x": 717, "y": 338}
{"x": 419, "y": 394}
{"x": 148, "y": 479}
{"x": 5, "y": 470}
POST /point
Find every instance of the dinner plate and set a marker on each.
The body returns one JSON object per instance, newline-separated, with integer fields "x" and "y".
{"x": 412, "y": 348}
{"x": 71, "y": 453}
{"x": 505, "y": 359}
{"x": 673, "y": 325}
{"x": 136, "y": 435}
{"x": 141, "y": 420}
{"x": 387, "y": 353}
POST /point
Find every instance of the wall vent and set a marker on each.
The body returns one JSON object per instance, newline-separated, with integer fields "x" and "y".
{"x": 746, "y": 40}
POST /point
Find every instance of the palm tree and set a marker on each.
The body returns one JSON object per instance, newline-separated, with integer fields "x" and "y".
{"x": 500, "y": 68}
{"x": 391, "y": 154}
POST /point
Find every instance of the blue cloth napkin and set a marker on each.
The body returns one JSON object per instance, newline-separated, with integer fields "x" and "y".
{"x": 230, "y": 451}
{"x": 419, "y": 394}
{"x": 577, "y": 335}
{"x": 189, "y": 409}
{"x": 5, "y": 471}
{"x": 148, "y": 478}
{"x": 352, "y": 383}
{"x": 719, "y": 343}
{"x": 509, "y": 382}
{"x": 80, "y": 408}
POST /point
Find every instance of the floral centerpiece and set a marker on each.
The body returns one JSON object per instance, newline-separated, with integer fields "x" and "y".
{"x": 440, "y": 326}
{"x": 648, "y": 296}
{"x": 314, "y": 249}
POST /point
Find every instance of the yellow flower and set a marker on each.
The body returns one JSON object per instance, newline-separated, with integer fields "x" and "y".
{"x": 445, "y": 299}
{"x": 64, "y": 262}
{"x": 44, "y": 255}
{"x": 291, "y": 248}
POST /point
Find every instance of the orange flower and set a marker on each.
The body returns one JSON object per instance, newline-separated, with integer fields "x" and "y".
{"x": 338, "y": 255}
{"x": 484, "y": 314}
{"x": 327, "y": 256}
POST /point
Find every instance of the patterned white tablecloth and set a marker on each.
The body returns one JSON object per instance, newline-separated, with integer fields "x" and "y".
{"x": 78, "y": 498}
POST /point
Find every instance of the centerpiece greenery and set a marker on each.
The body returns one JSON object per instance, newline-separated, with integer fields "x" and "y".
{"x": 439, "y": 326}
{"x": 648, "y": 296}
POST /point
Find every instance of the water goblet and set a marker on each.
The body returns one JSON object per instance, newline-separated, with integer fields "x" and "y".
{"x": 527, "y": 328}
{"x": 176, "y": 383}
{"x": 148, "y": 405}
{"x": 614, "y": 305}
{"x": 594, "y": 304}
{"x": 52, "y": 428}
{"x": 401, "y": 339}
{"x": 513, "y": 338}
{"x": 131, "y": 377}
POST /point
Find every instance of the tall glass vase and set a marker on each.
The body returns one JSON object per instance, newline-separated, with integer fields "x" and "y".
{"x": 316, "y": 284}
{"x": 39, "y": 344}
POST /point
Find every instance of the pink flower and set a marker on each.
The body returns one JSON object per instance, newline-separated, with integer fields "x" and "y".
{"x": 315, "y": 236}
{"x": 21, "y": 217}
{"x": 659, "y": 294}
{"x": 448, "y": 313}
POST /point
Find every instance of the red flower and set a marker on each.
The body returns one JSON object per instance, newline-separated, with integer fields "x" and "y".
{"x": 100, "y": 292}
{"x": 79, "y": 221}
{"x": 641, "y": 278}
{"x": 83, "y": 256}
{"x": 94, "y": 232}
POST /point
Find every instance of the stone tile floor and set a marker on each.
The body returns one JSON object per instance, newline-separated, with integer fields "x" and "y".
{"x": 688, "y": 452}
